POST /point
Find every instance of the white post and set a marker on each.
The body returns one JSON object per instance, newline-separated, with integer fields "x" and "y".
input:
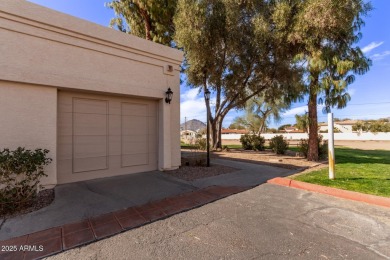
{"x": 331, "y": 146}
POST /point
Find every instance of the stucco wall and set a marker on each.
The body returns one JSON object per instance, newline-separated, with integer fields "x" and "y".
{"x": 40, "y": 46}
{"x": 29, "y": 119}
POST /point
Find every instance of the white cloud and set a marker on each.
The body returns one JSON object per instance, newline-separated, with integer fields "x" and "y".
{"x": 300, "y": 110}
{"x": 193, "y": 109}
{"x": 351, "y": 91}
{"x": 190, "y": 94}
{"x": 295, "y": 111}
{"x": 371, "y": 46}
{"x": 192, "y": 105}
{"x": 380, "y": 56}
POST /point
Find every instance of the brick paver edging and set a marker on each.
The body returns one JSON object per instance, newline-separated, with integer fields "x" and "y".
{"x": 345, "y": 194}
{"x": 57, "y": 239}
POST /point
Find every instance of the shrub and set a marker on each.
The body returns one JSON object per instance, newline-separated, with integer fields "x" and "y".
{"x": 20, "y": 174}
{"x": 322, "y": 147}
{"x": 201, "y": 143}
{"x": 225, "y": 148}
{"x": 252, "y": 142}
{"x": 278, "y": 144}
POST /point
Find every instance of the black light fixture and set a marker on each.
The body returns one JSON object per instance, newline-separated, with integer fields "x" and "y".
{"x": 169, "y": 95}
{"x": 207, "y": 98}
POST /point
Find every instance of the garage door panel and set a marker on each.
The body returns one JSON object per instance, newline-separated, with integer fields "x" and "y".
{"x": 135, "y": 138}
{"x": 135, "y": 159}
{"x": 115, "y": 145}
{"x": 89, "y": 124}
{"x": 65, "y": 151}
{"x": 134, "y": 109}
{"x": 152, "y": 145}
{"x": 152, "y": 125}
{"x": 65, "y": 166}
{"x": 135, "y": 147}
{"x": 114, "y": 125}
{"x": 134, "y": 125}
{"x": 65, "y": 146}
{"x": 90, "y": 106}
{"x": 152, "y": 109}
{"x": 65, "y": 124}
{"x": 65, "y": 103}
{"x": 90, "y": 164}
{"x": 90, "y": 146}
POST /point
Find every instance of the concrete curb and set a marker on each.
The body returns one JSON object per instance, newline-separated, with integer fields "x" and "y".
{"x": 345, "y": 194}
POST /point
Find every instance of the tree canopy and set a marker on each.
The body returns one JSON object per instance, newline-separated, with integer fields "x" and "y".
{"x": 302, "y": 122}
{"x": 259, "y": 113}
{"x": 231, "y": 49}
{"x": 149, "y": 19}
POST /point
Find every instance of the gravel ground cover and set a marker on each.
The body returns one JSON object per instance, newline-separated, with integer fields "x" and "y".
{"x": 44, "y": 199}
{"x": 291, "y": 160}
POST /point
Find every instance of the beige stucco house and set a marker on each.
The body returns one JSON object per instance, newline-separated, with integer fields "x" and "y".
{"x": 345, "y": 126}
{"x": 93, "y": 96}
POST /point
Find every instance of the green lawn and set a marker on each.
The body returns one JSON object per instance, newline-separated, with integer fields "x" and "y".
{"x": 234, "y": 146}
{"x": 356, "y": 170}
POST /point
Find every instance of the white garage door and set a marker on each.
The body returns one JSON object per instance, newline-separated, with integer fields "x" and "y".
{"x": 103, "y": 136}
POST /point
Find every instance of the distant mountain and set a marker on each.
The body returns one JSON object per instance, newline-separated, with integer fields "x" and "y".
{"x": 193, "y": 125}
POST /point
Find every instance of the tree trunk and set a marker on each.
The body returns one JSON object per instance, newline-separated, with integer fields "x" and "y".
{"x": 147, "y": 23}
{"x": 217, "y": 133}
{"x": 261, "y": 128}
{"x": 213, "y": 131}
{"x": 312, "y": 154}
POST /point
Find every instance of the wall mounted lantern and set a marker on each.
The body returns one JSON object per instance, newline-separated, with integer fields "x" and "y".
{"x": 169, "y": 95}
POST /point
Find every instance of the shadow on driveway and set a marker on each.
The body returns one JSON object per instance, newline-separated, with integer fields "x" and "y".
{"x": 82, "y": 200}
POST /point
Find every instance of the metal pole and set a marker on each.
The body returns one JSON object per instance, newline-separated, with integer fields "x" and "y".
{"x": 185, "y": 127}
{"x": 208, "y": 140}
{"x": 331, "y": 146}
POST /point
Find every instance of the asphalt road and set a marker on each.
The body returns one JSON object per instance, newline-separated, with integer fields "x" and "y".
{"x": 267, "y": 222}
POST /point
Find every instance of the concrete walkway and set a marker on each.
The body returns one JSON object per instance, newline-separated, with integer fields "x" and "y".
{"x": 83, "y": 200}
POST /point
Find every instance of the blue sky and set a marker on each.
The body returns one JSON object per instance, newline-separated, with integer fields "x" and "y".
{"x": 370, "y": 92}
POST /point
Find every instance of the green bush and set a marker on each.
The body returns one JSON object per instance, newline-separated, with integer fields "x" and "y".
{"x": 201, "y": 143}
{"x": 252, "y": 142}
{"x": 278, "y": 144}
{"x": 20, "y": 174}
{"x": 322, "y": 147}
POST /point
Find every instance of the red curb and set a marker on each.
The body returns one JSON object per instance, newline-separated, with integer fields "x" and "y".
{"x": 345, "y": 194}
{"x": 280, "y": 181}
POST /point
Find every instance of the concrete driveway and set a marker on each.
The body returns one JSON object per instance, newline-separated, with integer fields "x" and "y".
{"x": 267, "y": 222}
{"x": 82, "y": 200}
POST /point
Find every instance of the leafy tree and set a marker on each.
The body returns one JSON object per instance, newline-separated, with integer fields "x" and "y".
{"x": 272, "y": 130}
{"x": 232, "y": 49}
{"x": 282, "y": 127}
{"x": 326, "y": 32}
{"x": 302, "y": 122}
{"x": 374, "y": 126}
{"x": 236, "y": 124}
{"x": 259, "y": 112}
{"x": 149, "y": 19}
